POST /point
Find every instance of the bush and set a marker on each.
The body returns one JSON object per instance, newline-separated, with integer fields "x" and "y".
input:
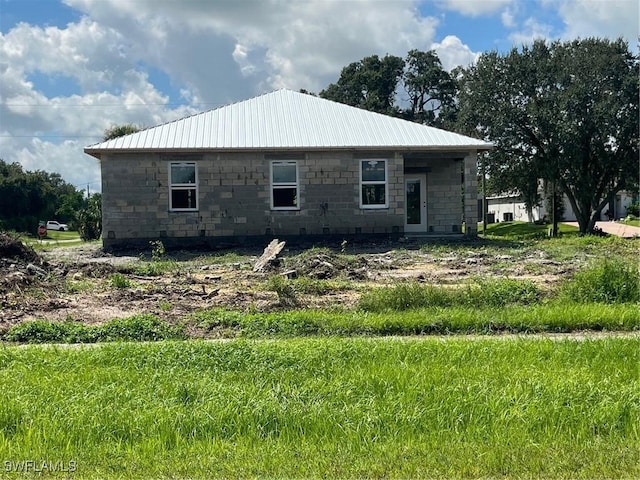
{"x": 609, "y": 281}
{"x": 634, "y": 209}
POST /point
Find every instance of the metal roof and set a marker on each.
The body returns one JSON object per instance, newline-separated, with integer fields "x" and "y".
{"x": 285, "y": 119}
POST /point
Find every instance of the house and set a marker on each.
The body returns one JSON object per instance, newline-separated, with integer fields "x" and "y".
{"x": 509, "y": 207}
{"x": 286, "y": 164}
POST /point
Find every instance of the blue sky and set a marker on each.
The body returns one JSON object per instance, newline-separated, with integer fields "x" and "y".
{"x": 69, "y": 69}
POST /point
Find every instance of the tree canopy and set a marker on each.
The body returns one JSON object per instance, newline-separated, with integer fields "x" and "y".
{"x": 377, "y": 84}
{"x": 565, "y": 112}
{"x": 27, "y": 197}
{"x": 119, "y": 131}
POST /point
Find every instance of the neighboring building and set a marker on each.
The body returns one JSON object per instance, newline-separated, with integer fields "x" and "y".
{"x": 286, "y": 164}
{"x": 510, "y": 207}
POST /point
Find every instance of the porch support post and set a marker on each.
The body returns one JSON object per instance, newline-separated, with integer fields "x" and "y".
{"x": 471, "y": 194}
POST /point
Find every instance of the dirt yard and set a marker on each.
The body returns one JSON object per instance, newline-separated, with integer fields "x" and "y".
{"x": 85, "y": 284}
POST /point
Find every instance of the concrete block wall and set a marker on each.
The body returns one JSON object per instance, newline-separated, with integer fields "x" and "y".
{"x": 471, "y": 194}
{"x": 444, "y": 196}
{"x": 234, "y": 197}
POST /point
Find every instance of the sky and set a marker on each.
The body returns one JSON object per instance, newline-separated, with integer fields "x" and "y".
{"x": 70, "y": 69}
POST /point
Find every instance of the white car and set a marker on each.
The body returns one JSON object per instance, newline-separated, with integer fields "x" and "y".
{"x": 53, "y": 225}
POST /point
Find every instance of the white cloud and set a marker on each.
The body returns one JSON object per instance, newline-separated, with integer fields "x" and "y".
{"x": 291, "y": 44}
{"x": 475, "y": 8}
{"x": 600, "y": 18}
{"x": 533, "y": 30}
{"x": 452, "y": 53}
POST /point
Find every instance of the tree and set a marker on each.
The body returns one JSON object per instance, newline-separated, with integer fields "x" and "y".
{"x": 27, "y": 197}
{"x": 90, "y": 218}
{"x": 565, "y": 112}
{"x": 370, "y": 84}
{"x": 431, "y": 89}
{"x": 120, "y": 130}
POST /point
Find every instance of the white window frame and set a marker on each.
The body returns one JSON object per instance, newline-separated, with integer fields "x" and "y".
{"x": 183, "y": 186}
{"x": 282, "y": 185}
{"x": 384, "y": 182}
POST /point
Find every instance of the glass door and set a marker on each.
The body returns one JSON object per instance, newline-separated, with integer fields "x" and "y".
{"x": 416, "y": 203}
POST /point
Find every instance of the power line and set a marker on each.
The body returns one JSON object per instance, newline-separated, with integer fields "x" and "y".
{"x": 110, "y": 105}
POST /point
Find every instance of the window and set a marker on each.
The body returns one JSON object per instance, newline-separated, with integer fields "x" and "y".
{"x": 284, "y": 185}
{"x": 373, "y": 183}
{"x": 183, "y": 186}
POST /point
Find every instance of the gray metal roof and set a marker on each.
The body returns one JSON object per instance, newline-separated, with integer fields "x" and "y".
{"x": 285, "y": 119}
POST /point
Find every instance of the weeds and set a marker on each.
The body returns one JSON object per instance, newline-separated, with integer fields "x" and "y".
{"x": 136, "y": 328}
{"x": 412, "y": 295}
{"x": 608, "y": 281}
{"x": 118, "y": 280}
{"x": 284, "y": 289}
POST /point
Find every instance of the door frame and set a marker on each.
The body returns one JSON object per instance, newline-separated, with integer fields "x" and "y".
{"x": 422, "y": 226}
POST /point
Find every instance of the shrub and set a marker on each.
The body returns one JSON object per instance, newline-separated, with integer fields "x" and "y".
{"x": 634, "y": 209}
{"x": 608, "y": 281}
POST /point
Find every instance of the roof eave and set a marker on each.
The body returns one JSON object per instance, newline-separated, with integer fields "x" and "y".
{"x": 97, "y": 152}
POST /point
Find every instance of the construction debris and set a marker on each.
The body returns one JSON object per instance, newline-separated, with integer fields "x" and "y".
{"x": 269, "y": 255}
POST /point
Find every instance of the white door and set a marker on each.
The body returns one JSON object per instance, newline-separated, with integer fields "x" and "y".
{"x": 416, "y": 203}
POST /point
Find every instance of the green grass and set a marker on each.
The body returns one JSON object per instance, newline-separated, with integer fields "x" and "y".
{"x": 481, "y": 293}
{"x": 609, "y": 281}
{"x": 524, "y": 230}
{"x": 327, "y": 408}
{"x": 634, "y": 222}
{"x": 136, "y": 328}
{"x": 551, "y": 317}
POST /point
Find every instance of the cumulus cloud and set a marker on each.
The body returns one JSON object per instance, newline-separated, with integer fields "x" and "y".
{"x": 217, "y": 52}
{"x": 599, "y": 18}
{"x": 532, "y": 30}
{"x": 453, "y": 53}
{"x": 280, "y": 44}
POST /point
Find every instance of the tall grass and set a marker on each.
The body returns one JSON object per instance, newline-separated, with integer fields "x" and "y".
{"x": 135, "y": 328}
{"x": 482, "y": 292}
{"x": 609, "y": 281}
{"x": 551, "y": 317}
{"x": 338, "y": 408}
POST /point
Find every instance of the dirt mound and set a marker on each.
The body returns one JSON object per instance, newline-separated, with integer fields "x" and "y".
{"x": 326, "y": 264}
{"x": 12, "y": 248}
{"x": 20, "y": 265}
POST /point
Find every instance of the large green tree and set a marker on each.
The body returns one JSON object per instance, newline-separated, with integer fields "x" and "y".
{"x": 369, "y": 84}
{"x": 27, "y": 197}
{"x": 431, "y": 89}
{"x": 563, "y": 112}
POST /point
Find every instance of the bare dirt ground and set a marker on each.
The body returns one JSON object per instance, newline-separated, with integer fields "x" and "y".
{"x": 83, "y": 283}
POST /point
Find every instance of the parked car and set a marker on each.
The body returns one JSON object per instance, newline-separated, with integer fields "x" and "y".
{"x": 53, "y": 225}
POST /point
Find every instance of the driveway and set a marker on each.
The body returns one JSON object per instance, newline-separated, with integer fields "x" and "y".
{"x": 615, "y": 228}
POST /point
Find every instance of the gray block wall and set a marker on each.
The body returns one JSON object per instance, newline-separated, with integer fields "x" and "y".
{"x": 234, "y": 197}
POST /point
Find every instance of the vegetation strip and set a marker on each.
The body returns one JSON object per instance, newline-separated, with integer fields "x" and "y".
{"x": 327, "y": 407}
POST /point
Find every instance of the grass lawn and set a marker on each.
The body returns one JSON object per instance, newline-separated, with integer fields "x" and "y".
{"x": 524, "y": 230}
{"x": 55, "y": 239}
{"x": 337, "y": 408}
{"x": 633, "y": 223}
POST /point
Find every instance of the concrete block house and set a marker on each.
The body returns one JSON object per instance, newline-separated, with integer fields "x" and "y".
{"x": 285, "y": 164}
